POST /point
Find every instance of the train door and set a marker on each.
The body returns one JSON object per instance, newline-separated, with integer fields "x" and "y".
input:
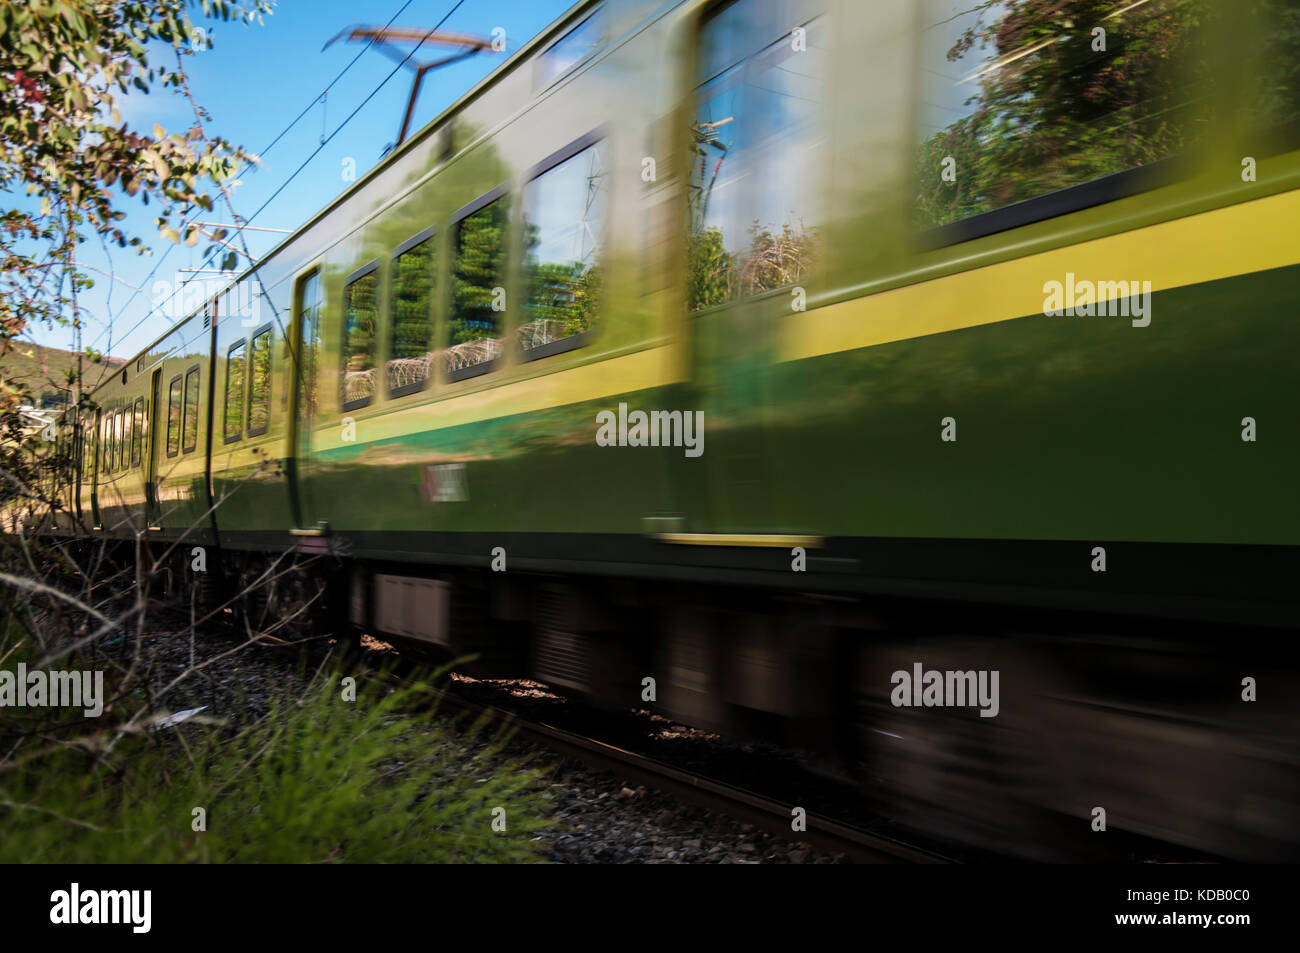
{"x": 753, "y": 182}
{"x": 153, "y": 512}
{"x": 304, "y": 360}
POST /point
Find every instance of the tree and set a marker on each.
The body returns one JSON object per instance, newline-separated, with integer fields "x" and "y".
{"x": 67, "y": 159}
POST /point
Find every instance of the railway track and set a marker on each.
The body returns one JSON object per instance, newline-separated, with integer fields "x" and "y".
{"x": 746, "y": 806}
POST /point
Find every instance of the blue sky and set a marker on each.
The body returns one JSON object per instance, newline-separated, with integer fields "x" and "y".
{"x": 254, "y": 81}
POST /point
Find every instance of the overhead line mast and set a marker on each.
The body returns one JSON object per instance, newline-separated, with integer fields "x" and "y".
{"x": 386, "y": 40}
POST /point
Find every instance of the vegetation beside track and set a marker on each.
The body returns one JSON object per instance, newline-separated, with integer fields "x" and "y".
{"x": 326, "y": 770}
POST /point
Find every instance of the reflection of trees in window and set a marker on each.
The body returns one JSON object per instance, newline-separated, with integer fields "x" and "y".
{"x": 174, "y": 416}
{"x": 259, "y": 384}
{"x": 1017, "y": 95}
{"x": 478, "y": 274}
{"x": 564, "y": 221}
{"x": 190, "y": 432}
{"x": 234, "y": 416}
{"x": 360, "y": 324}
{"x": 124, "y": 455}
{"x": 411, "y": 348}
{"x": 754, "y": 172}
{"x": 310, "y": 302}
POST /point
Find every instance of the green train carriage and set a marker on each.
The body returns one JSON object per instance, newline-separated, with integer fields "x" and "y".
{"x": 832, "y": 229}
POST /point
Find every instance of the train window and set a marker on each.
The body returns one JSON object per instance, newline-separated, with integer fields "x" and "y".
{"x": 116, "y": 456}
{"x": 410, "y": 352}
{"x": 310, "y": 303}
{"x": 571, "y": 49}
{"x": 1018, "y": 101}
{"x": 232, "y": 427}
{"x": 174, "y": 416}
{"x": 564, "y": 227}
{"x": 478, "y": 286}
{"x": 190, "y": 421}
{"x": 110, "y": 447}
{"x": 259, "y": 383}
{"x": 128, "y": 432}
{"x": 360, "y": 322}
{"x": 757, "y": 148}
{"x": 137, "y": 434}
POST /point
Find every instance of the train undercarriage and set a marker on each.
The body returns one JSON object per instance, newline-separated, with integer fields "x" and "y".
{"x": 1172, "y": 731}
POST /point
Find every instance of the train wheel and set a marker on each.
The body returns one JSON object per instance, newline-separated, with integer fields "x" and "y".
{"x": 945, "y": 769}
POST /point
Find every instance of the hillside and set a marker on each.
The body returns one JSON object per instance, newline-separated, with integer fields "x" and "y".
{"x": 44, "y": 370}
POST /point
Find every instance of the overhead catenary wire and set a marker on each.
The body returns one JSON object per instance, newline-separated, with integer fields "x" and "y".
{"x": 287, "y": 129}
{"x": 238, "y": 232}
{"x": 351, "y": 115}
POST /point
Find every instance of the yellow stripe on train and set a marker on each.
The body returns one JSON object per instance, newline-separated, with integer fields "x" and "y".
{"x": 1221, "y": 243}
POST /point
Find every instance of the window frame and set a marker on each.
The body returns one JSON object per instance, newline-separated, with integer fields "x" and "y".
{"x": 265, "y": 329}
{"x": 453, "y": 233}
{"x": 180, "y": 416}
{"x": 226, "y": 437}
{"x": 429, "y": 234}
{"x": 198, "y": 403}
{"x": 1074, "y": 198}
{"x": 565, "y": 153}
{"x": 359, "y": 402}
